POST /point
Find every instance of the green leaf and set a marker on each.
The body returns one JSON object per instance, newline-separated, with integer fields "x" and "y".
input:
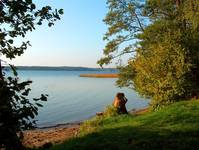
{"x": 10, "y": 41}
{"x": 50, "y": 24}
{"x": 38, "y": 104}
{"x": 36, "y": 99}
{"x": 29, "y": 1}
{"x": 13, "y": 70}
{"x": 35, "y": 111}
{"x": 43, "y": 97}
{"x": 61, "y": 11}
{"x": 3, "y": 44}
{"x": 31, "y": 114}
{"x": 26, "y": 92}
{"x": 33, "y": 6}
{"x": 39, "y": 23}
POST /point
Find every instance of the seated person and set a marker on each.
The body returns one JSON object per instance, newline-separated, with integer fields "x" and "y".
{"x": 120, "y": 102}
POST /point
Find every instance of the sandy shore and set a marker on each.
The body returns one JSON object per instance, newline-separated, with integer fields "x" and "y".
{"x": 99, "y": 75}
{"x": 50, "y": 135}
{"x": 47, "y": 136}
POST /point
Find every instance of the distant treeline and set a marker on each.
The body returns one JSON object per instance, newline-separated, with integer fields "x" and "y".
{"x": 62, "y": 68}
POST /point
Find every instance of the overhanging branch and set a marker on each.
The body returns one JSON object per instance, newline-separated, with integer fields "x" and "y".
{"x": 122, "y": 53}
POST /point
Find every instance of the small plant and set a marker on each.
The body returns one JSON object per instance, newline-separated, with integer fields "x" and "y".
{"x": 97, "y": 122}
{"x": 110, "y": 111}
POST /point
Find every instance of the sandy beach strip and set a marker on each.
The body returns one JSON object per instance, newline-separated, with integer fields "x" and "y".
{"x": 50, "y": 135}
{"x": 99, "y": 75}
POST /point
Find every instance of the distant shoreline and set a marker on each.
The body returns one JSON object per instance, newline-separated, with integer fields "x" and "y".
{"x": 61, "y": 68}
{"x": 114, "y": 75}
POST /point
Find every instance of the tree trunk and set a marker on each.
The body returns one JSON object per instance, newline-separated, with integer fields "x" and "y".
{"x": 1, "y": 74}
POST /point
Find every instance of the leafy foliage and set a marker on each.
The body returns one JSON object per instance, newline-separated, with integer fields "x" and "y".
{"x": 124, "y": 20}
{"x": 17, "y": 112}
{"x": 110, "y": 111}
{"x": 165, "y": 64}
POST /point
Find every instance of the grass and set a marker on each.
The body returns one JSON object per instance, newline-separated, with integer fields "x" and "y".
{"x": 174, "y": 127}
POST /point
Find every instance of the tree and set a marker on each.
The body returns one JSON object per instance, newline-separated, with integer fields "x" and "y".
{"x": 125, "y": 20}
{"x": 165, "y": 64}
{"x": 17, "y": 112}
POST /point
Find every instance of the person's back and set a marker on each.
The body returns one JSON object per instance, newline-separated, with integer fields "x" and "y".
{"x": 120, "y": 102}
{"x": 116, "y": 102}
{"x": 123, "y": 107}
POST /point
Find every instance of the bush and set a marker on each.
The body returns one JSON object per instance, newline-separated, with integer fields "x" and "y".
{"x": 110, "y": 111}
{"x": 96, "y": 122}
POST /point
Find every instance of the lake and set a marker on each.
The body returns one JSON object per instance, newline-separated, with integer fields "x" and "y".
{"x": 73, "y": 98}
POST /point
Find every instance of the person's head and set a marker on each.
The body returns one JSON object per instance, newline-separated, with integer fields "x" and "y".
{"x": 120, "y": 96}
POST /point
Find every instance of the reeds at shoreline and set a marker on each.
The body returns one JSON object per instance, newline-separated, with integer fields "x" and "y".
{"x": 99, "y": 75}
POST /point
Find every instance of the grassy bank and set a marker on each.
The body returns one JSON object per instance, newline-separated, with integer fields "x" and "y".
{"x": 99, "y": 75}
{"x": 174, "y": 127}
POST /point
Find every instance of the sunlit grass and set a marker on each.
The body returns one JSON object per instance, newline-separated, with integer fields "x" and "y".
{"x": 174, "y": 127}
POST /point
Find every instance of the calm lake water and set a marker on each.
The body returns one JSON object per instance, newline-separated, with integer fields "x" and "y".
{"x": 73, "y": 98}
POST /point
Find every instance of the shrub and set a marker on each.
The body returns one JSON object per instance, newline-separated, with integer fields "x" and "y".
{"x": 96, "y": 122}
{"x": 110, "y": 111}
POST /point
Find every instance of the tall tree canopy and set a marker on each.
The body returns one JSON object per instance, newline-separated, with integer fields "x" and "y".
{"x": 17, "y": 17}
{"x": 162, "y": 38}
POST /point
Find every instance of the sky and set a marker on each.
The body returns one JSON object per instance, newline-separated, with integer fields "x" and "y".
{"x": 75, "y": 40}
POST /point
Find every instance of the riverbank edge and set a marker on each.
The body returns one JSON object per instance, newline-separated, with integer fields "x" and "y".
{"x": 49, "y": 135}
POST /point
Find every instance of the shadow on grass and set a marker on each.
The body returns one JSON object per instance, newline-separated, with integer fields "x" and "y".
{"x": 127, "y": 138}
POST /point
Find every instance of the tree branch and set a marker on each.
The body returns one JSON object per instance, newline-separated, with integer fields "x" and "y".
{"x": 113, "y": 57}
{"x": 138, "y": 20}
{"x": 134, "y": 13}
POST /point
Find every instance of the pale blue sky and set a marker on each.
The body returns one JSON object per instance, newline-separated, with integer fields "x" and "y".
{"x": 76, "y": 40}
